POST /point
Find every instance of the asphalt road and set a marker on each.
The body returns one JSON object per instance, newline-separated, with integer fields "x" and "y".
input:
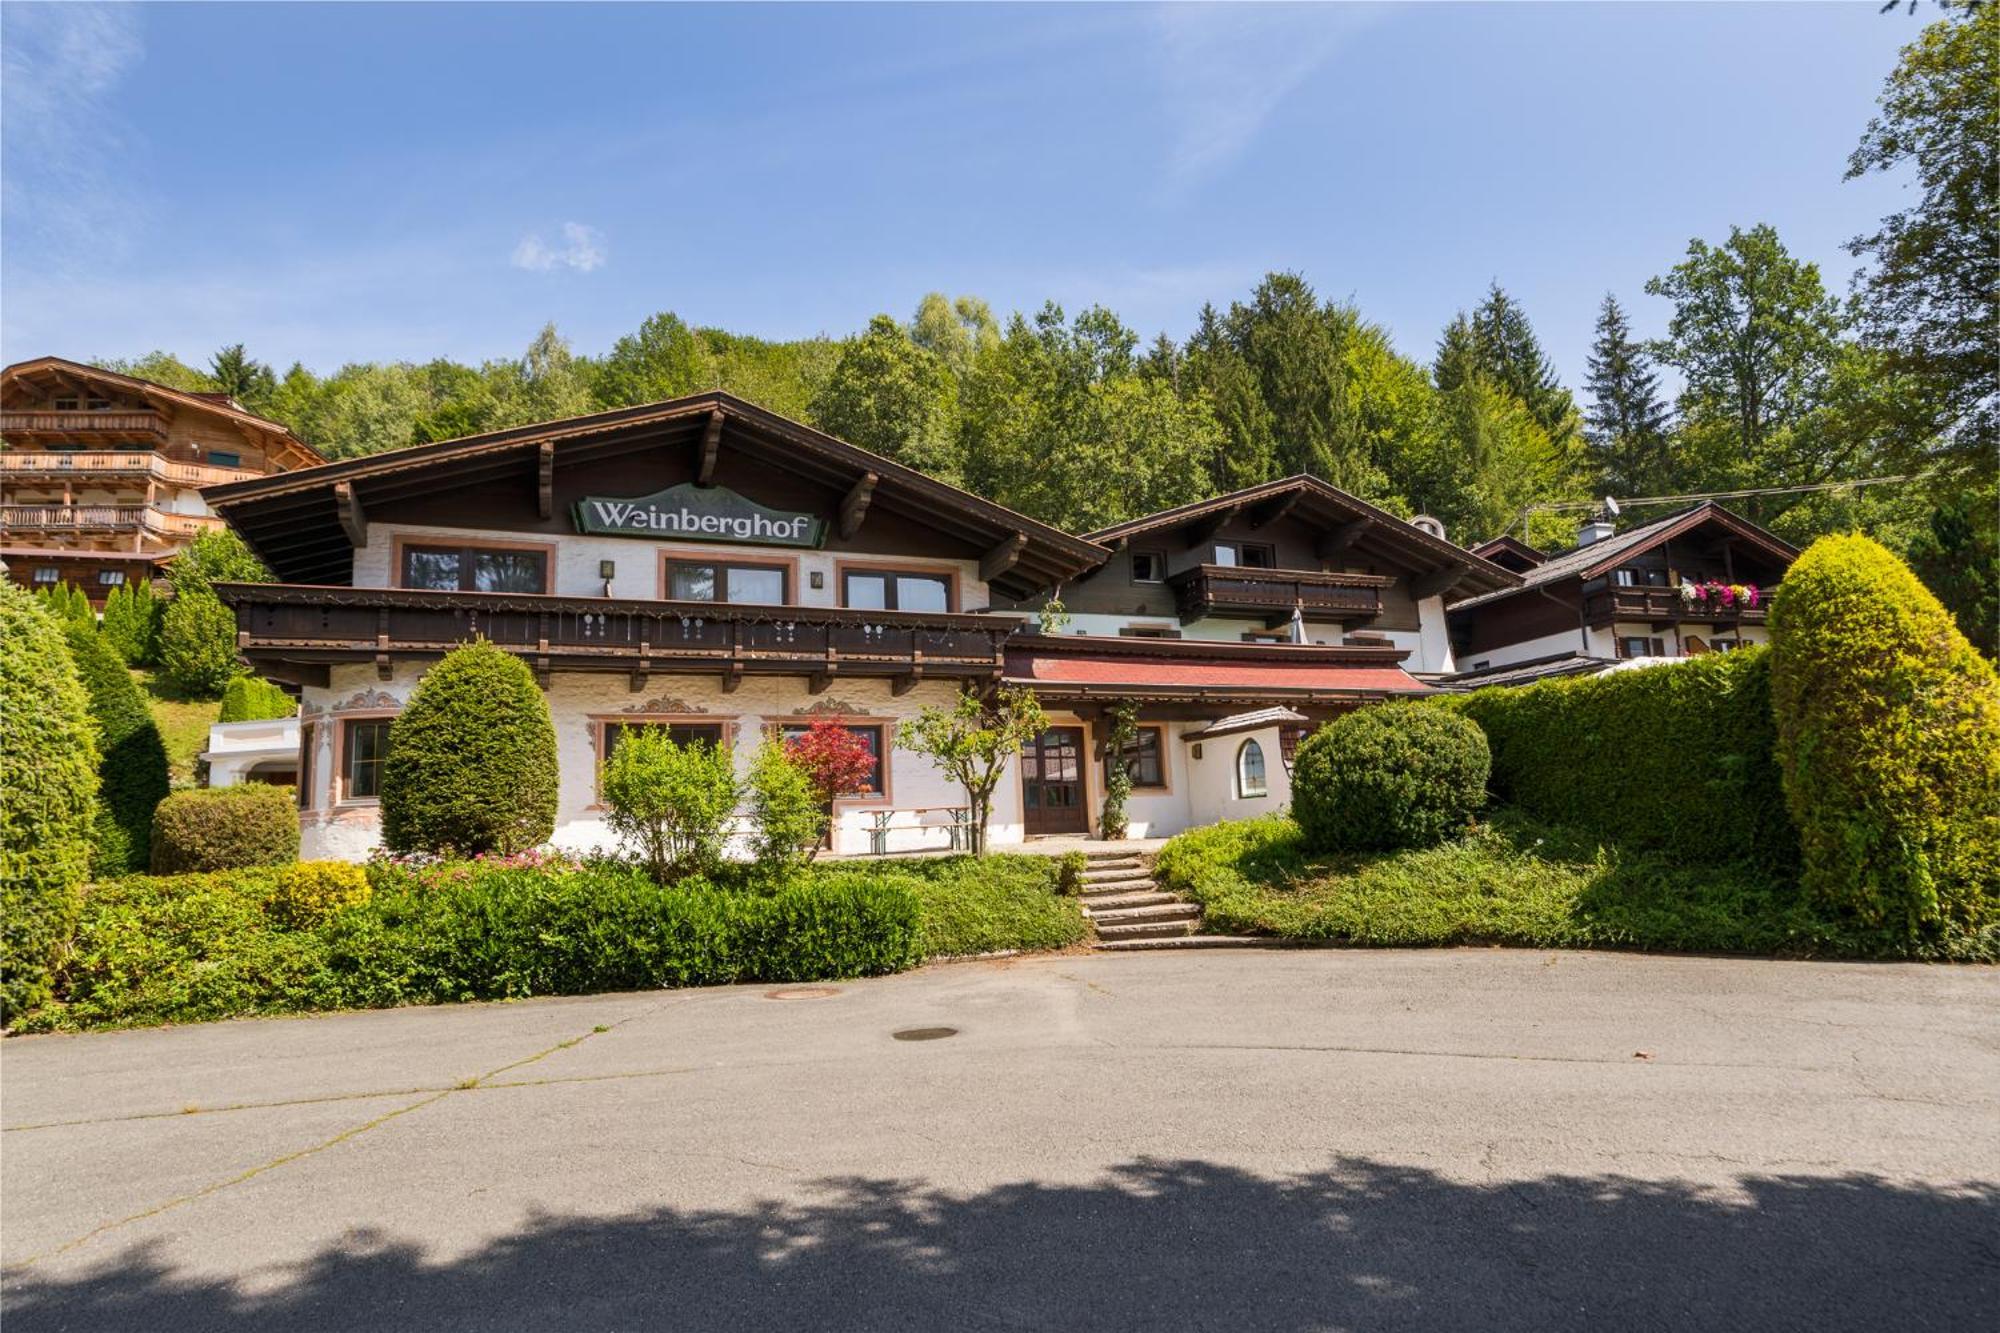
{"x": 1284, "y": 1140}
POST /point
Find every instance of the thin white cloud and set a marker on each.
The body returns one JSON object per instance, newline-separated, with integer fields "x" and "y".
{"x": 59, "y": 68}
{"x": 582, "y": 249}
{"x": 1224, "y": 68}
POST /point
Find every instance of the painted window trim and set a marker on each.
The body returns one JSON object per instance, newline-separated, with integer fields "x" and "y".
{"x": 1165, "y": 786}
{"x": 449, "y": 541}
{"x": 951, "y": 574}
{"x": 788, "y": 572}
{"x": 1159, "y": 558}
{"x": 1243, "y": 752}
{"x": 774, "y": 728}
{"x": 341, "y": 800}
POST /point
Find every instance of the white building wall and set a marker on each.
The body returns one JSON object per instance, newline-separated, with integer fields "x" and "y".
{"x": 1429, "y": 646}
{"x": 235, "y": 748}
{"x": 1212, "y": 787}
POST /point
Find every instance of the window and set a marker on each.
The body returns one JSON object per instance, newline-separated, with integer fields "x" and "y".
{"x": 1245, "y": 555}
{"x": 1724, "y": 645}
{"x": 474, "y": 569}
{"x": 362, "y": 748}
{"x": 680, "y": 733}
{"x": 1638, "y": 645}
{"x": 221, "y": 458}
{"x": 894, "y": 590}
{"x": 1626, "y": 578}
{"x": 1149, "y": 567}
{"x": 110, "y": 578}
{"x": 66, "y": 404}
{"x": 1145, "y": 758}
{"x": 97, "y": 404}
{"x": 1150, "y": 632}
{"x": 1656, "y": 578}
{"x": 871, "y": 736}
{"x": 45, "y": 576}
{"x": 1267, "y": 636}
{"x": 714, "y": 581}
{"x": 1250, "y": 771}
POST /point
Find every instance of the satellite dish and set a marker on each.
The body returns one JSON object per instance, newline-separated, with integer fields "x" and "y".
{"x": 1611, "y": 506}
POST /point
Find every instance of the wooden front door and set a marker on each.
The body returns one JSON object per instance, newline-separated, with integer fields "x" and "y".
{"x": 1052, "y": 783}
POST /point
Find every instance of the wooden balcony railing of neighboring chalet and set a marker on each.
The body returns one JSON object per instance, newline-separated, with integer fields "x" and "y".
{"x": 25, "y": 463}
{"x": 102, "y": 518}
{"x": 1662, "y": 607}
{"x": 1212, "y": 590}
{"x": 138, "y": 427}
{"x": 295, "y": 631}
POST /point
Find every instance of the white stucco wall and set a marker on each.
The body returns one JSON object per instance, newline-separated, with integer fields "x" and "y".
{"x": 235, "y": 748}
{"x": 1212, "y": 778}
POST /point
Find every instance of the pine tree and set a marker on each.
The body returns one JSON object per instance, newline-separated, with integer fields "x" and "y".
{"x": 1511, "y": 356}
{"x": 248, "y": 381}
{"x": 1626, "y": 427}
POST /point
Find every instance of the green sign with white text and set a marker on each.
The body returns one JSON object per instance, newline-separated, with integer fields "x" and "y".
{"x": 692, "y": 513}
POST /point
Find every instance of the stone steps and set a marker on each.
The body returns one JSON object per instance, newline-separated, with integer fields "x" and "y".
{"x": 1095, "y": 904}
{"x": 1173, "y": 910}
{"x": 1131, "y": 945}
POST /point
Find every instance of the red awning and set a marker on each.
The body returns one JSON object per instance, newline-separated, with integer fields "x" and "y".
{"x": 1143, "y": 673}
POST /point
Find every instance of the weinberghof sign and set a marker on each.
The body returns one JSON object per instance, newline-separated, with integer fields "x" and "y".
{"x": 692, "y": 513}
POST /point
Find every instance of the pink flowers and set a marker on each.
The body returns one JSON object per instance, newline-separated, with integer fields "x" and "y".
{"x": 1718, "y": 596}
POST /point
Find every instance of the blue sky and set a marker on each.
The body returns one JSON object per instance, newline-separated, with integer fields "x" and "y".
{"x": 360, "y": 182}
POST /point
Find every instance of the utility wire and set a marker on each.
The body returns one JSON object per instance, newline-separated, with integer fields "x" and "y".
{"x": 1555, "y": 506}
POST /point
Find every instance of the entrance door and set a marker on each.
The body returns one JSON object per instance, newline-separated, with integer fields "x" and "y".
{"x": 1052, "y": 782}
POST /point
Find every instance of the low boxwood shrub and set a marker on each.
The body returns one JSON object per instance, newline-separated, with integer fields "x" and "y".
{"x": 306, "y": 894}
{"x": 224, "y": 828}
{"x": 1675, "y": 758}
{"x": 1394, "y": 775}
{"x": 849, "y": 927}
{"x": 250, "y": 699}
{"x": 48, "y": 797}
{"x": 132, "y": 772}
{"x": 1888, "y": 735}
{"x": 471, "y": 762}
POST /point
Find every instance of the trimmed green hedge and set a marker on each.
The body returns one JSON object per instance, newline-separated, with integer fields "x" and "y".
{"x": 1889, "y": 735}
{"x": 249, "y": 699}
{"x": 1395, "y": 775}
{"x": 225, "y": 828}
{"x": 1674, "y": 758}
{"x": 48, "y": 797}
{"x": 132, "y": 773}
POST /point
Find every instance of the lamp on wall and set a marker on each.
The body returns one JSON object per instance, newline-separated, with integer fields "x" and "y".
{"x": 607, "y": 570}
{"x": 816, "y": 579}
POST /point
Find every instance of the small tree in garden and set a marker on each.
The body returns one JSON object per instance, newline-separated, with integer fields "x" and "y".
{"x": 197, "y": 632}
{"x": 971, "y": 742}
{"x": 786, "y": 804}
{"x": 132, "y": 623}
{"x": 672, "y": 803}
{"x": 1124, "y": 718}
{"x": 68, "y": 603}
{"x": 471, "y": 761}
{"x": 133, "y": 771}
{"x": 838, "y": 762}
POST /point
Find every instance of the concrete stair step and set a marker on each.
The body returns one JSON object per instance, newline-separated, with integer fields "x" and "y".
{"x": 1114, "y": 876}
{"x": 1146, "y": 930}
{"x": 1109, "y": 854}
{"x": 1183, "y": 942}
{"x": 1120, "y": 891}
{"x": 1160, "y": 912}
{"x": 1097, "y": 904}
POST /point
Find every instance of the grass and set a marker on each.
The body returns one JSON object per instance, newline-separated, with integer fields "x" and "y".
{"x": 183, "y": 722}
{"x": 1511, "y": 881}
{"x": 974, "y": 906}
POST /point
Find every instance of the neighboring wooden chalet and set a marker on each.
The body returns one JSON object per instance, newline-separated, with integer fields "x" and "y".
{"x": 708, "y": 567}
{"x": 1696, "y": 581}
{"x": 101, "y": 473}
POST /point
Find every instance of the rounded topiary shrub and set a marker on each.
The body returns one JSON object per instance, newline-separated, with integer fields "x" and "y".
{"x": 1888, "y": 743}
{"x": 132, "y": 769}
{"x": 1390, "y": 776}
{"x": 471, "y": 763}
{"x": 224, "y": 828}
{"x": 48, "y": 798}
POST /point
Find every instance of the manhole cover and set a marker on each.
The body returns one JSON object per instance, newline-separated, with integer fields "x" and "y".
{"x": 924, "y": 1034}
{"x": 802, "y": 993}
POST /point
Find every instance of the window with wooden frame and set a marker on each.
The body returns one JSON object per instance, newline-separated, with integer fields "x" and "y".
{"x": 1267, "y": 636}
{"x": 1638, "y": 645}
{"x": 111, "y": 578}
{"x": 680, "y": 733}
{"x": 1250, "y": 778}
{"x": 1625, "y": 578}
{"x": 97, "y": 405}
{"x": 873, "y": 734}
{"x": 728, "y": 581}
{"x": 46, "y": 576}
{"x": 1149, "y": 566}
{"x": 441, "y": 568}
{"x": 1149, "y": 632}
{"x": 1146, "y": 759}
{"x": 363, "y": 744}
{"x": 895, "y": 590}
{"x": 66, "y": 404}
{"x": 223, "y": 458}
{"x": 1245, "y": 555}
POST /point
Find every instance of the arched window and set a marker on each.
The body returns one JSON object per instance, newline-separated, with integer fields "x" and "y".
{"x": 1250, "y": 771}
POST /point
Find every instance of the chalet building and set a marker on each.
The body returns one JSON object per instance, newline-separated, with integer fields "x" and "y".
{"x": 708, "y": 567}
{"x": 1696, "y": 581}
{"x": 101, "y": 474}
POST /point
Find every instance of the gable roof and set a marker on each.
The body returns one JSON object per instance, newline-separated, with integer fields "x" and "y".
{"x": 1365, "y": 525}
{"x": 282, "y": 445}
{"x": 1599, "y": 557}
{"x": 301, "y": 522}
{"x": 1503, "y": 548}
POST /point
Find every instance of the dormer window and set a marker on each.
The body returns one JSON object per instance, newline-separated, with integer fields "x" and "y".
{"x": 1244, "y": 555}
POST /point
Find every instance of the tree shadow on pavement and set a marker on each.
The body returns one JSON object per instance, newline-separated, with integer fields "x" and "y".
{"x": 1151, "y": 1245}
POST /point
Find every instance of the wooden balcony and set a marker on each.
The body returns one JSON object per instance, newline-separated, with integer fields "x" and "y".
{"x": 31, "y": 427}
{"x": 59, "y": 464}
{"x": 1233, "y": 590}
{"x": 1662, "y": 608}
{"x": 295, "y": 631}
{"x": 59, "y": 519}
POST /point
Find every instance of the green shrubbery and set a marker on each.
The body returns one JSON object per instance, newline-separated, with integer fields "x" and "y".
{"x": 48, "y": 797}
{"x": 1888, "y": 730}
{"x": 132, "y": 623}
{"x": 671, "y": 804}
{"x": 975, "y": 905}
{"x": 225, "y": 828}
{"x": 471, "y": 761}
{"x": 1674, "y": 758}
{"x": 786, "y": 809}
{"x": 68, "y": 604}
{"x": 249, "y": 699}
{"x": 198, "y": 643}
{"x": 305, "y": 894}
{"x": 132, "y": 768}
{"x": 1387, "y": 777}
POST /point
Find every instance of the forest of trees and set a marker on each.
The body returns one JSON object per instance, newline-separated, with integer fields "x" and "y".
{"x": 1781, "y": 382}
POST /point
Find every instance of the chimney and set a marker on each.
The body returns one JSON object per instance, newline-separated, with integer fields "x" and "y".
{"x": 1594, "y": 531}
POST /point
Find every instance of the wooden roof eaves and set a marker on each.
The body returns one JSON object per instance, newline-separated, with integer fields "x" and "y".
{"x": 1706, "y": 512}
{"x": 174, "y": 399}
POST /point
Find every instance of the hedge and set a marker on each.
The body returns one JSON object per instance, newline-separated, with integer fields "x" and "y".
{"x": 249, "y": 699}
{"x": 48, "y": 797}
{"x": 1675, "y": 758}
{"x": 132, "y": 773}
{"x": 471, "y": 762}
{"x": 132, "y": 622}
{"x": 225, "y": 828}
{"x": 1396, "y": 775}
{"x": 1888, "y": 731}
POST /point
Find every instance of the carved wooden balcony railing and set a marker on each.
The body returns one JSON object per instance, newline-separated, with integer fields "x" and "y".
{"x": 1663, "y": 607}
{"x": 1233, "y": 590}
{"x": 61, "y": 519}
{"x": 29, "y": 465}
{"x": 294, "y": 631}
{"x": 109, "y": 427}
